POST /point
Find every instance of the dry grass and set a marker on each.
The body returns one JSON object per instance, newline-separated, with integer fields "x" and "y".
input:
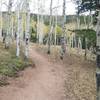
{"x": 79, "y": 74}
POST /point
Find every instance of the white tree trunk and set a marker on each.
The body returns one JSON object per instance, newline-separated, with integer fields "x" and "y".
{"x": 79, "y": 43}
{"x": 18, "y": 31}
{"x": 8, "y": 34}
{"x": 12, "y": 27}
{"x": 27, "y": 35}
{"x": 90, "y": 20}
{"x": 1, "y": 19}
{"x": 38, "y": 21}
{"x": 55, "y": 30}
{"x": 19, "y": 28}
{"x": 79, "y": 46}
{"x": 41, "y": 21}
{"x": 41, "y": 30}
{"x": 49, "y": 34}
{"x": 63, "y": 41}
{"x": 78, "y": 22}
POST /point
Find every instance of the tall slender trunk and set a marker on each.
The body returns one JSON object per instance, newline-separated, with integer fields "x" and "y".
{"x": 18, "y": 30}
{"x": 8, "y": 34}
{"x": 78, "y": 22}
{"x": 1, "y": 19}
{"x": 85, "y": 22}
{"x": 55, "y": 29}
{"x": 63, "y": 38}
{"x": 12, "y": 27}
{"x": 72, "y": 41}
{"x": 85, "y": 55}
{"x": 78, "y": 16}
{"x": 79, "y": 46}
{"x": 91, "y": 19}
{"x": 75, "y": 42}
{"x": 49, "y": 34}
{"x": 41, "y": 30}
{"x": 27, "y": 35}
{"x": 38, "y": 21}
{"x": 64, "y": 18}
{"x": 41, "y": 34}
{"x": 98, "y": 58}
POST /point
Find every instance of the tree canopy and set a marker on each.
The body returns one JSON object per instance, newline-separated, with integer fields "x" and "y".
{"x": 88, "y": 5}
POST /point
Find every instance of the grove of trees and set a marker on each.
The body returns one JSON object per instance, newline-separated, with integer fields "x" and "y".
{"x": 20, "y": 26}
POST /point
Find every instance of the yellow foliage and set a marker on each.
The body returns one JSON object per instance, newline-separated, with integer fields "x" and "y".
{"x": 46, "y": 30}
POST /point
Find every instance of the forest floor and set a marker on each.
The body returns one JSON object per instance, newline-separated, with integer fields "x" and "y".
{"x": 10, "y": 65}
{"x": 53, "y": 79}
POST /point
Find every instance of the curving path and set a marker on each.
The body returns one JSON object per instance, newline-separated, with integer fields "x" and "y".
{"x": 43, "y": 82}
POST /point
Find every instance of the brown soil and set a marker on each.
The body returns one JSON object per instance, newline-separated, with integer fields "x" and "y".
{"x": 70, "y": 79}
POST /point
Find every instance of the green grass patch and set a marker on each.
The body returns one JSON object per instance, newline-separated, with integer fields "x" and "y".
{"x": 10, "y": 65}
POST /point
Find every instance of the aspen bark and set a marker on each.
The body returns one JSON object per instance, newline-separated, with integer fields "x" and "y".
{"x": 78, "y": 22}
{"x": 18, "y": 30}
{"x": 38, "y": 21}
{"x": 19, "y": 27}
{"x": 8, "y": 34}
{"x": 27, "y": 35}
{"x": 63, "y": 38}
{"x": 41, "y": 25}
{"x": 98, "y": 58}
{"x": 49, "y": 34}
{"x": 41, "y": 30}
{"x": 55, "y": 30}
{"x": 1, "y": 19}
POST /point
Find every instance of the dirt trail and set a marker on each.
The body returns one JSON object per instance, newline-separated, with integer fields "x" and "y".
{"x": 44, "y": 82}
{"x": 70, "y": 79}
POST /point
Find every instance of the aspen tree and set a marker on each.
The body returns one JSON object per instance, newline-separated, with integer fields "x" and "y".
{"x": 55, "y": 29}
{"x": 78, "y": 17}
{"x": 98, "y": 57}
{"x": 91, "y": 19}
{"x": 41, "y": 24}
{"x": 75, "y": 44}
{"x": 56, "y": 22}
{"x": 8, "y": 34}
{"x": 18, "y": 29}
{"x": 12, "y": 26}
{"x": 78, "y": 22}
{"x": 50, "y": 31}
{"x": 41, "y": 30}
{"x": 0, "y": 18}
{"x": 79, "y": 46}
{"x": 72, "y": 38}
{"x": 38, "y": 21}
{"x": 27, "y": 33}
{"x": 63, "y": 38}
